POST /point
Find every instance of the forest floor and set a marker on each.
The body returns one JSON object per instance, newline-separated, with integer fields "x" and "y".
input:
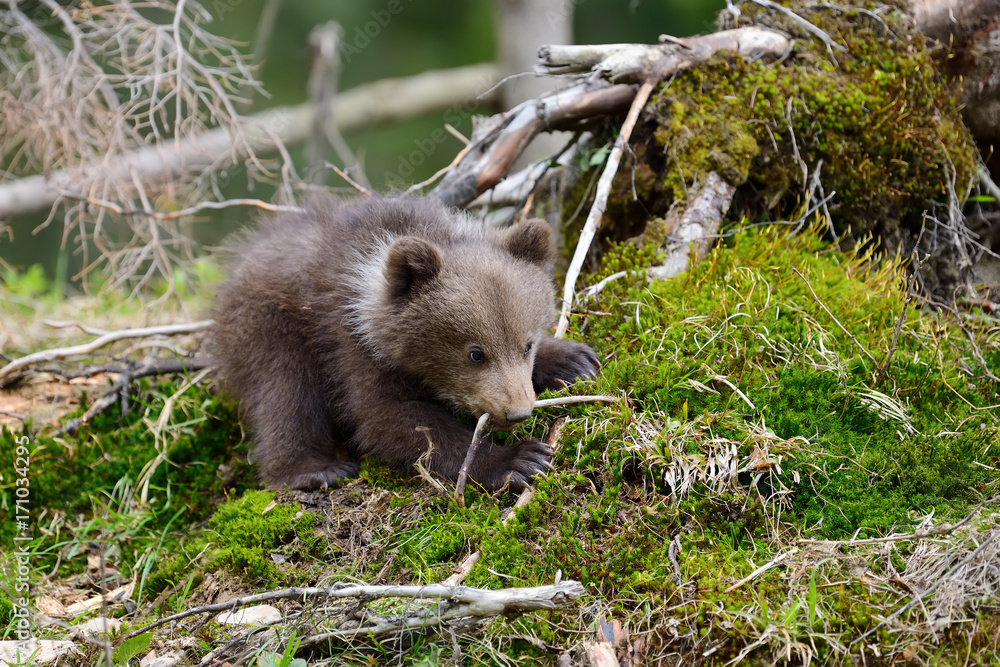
{"x": 803, "y": 466}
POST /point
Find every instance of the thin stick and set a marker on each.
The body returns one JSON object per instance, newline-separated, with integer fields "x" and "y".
{"x": 354, "y": 184}
{"x": 440, "y": 172}
{"x": 833, "y": 317}
{"x": 463, "y": 473}
{"x": 185, "y": 212}
{"x": 569, "y": 400}
{"x": 822, "y": 35}
{"x": 764, "y": 568}
{"x": 593, "y": 222}
{"x": 98, "y": 343}
{"x": 537, "y": 597}
{"x": 118, "y": 390}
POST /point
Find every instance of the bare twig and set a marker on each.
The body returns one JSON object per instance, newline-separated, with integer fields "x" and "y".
{"x": 118, "y": 391}
{"x": 777, "y": 560}
{"x": 189, "y": 211}
{"x": 637, "y": 63}
{"x": 102, "y": 341}
{"x": 976, "y": 352}
{"x": 459, "y": 601}
{"x": 570, "y": 400}
{"x": 350, "y": 181}
{"x": 860, "y": 10}
{"x": 806, "y": 25}
{"x": 988, "y": 184}
{"x": 593, "y": 222}
{"x": 463, "y": 472}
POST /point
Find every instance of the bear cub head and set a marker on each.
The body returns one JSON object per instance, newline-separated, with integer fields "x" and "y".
{"x": 465, "y": 315}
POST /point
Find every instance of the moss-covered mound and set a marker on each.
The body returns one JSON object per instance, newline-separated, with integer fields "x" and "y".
{"x": 874, "y": 128}
{"x": 757, "y": 423}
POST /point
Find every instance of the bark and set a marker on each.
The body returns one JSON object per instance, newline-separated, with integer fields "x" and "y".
{"x": 691, "y": 230}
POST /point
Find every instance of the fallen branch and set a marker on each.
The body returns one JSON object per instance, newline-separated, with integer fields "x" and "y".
{"x": 367, "y": 105}
{"x": 118, "y": 391}
{"x": 637, "y": 63}
{"x": 457, "y": 602}
{"x": 102, "y": 341}
{"x": 691, "y": 233}
{"x": 593, "y": 222}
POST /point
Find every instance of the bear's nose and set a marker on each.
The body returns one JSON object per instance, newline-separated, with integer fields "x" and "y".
{"x": 517, "y": 414}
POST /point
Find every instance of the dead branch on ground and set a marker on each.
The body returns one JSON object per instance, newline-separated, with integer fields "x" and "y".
{"x": 454, "y": 603}
{"x": 44, "y": 356}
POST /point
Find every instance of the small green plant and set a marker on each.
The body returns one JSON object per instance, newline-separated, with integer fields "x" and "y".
{"x": 287, "y": 657}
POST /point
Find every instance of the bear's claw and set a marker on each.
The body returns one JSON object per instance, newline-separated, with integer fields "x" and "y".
{"x": 530, "y": 458}
{"x": 560, "y": 363}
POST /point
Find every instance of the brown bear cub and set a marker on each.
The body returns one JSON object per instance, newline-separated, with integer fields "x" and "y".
{"x": 357, "y": 325}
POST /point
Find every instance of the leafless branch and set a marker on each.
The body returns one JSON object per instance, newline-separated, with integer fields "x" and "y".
{"x": 593, "y": 222}
{"x": 43, "y": 356}
{"x": 456, "y": 602}
{"x": 463, "y": 472}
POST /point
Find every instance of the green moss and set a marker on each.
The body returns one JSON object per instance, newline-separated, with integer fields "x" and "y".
{"x": 879, "y": 118}
{"x": 84, "y": 487}
{"x": 767, "y": 335}
{"x": 250, "y": 528}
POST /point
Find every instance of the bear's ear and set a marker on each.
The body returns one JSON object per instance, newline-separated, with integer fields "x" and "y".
{"x": 411, "y": 262}
{"x": 531, "y": 241}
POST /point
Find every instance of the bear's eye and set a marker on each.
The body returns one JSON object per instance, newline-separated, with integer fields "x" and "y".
{"x": 527, "y": 350}
{"x": 476, "y": 356}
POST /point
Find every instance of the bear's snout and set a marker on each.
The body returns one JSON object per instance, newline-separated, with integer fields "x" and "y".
{"x": 515, "y": 415}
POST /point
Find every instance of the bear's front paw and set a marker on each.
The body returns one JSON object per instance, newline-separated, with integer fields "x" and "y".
{"x": 515, "y": 466}
{"x": 332, "y": 475}
{"x": 560, "y": 363}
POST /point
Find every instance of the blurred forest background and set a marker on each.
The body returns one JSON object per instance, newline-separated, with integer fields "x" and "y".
{"x": 423, "y": 36}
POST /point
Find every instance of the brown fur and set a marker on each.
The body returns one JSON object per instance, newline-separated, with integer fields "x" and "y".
{"x": 356, "y": 323}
